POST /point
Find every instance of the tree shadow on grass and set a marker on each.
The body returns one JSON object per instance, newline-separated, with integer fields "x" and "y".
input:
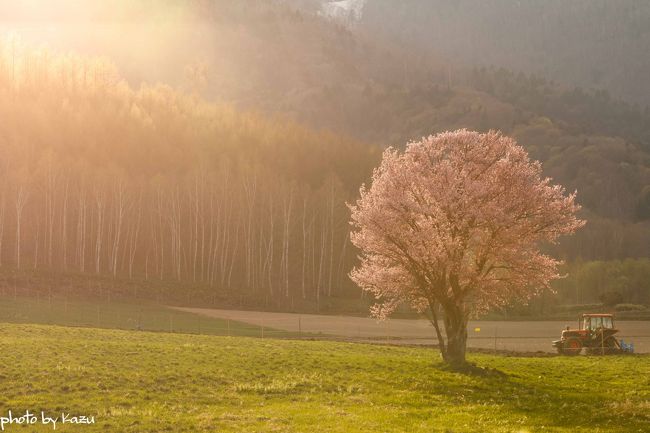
{"x": 543, "y": 401}
{"x": 472, "y": 369}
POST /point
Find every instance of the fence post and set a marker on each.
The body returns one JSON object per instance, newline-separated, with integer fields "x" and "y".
{"x": 299, "y": 327}
{"x": 262, "y": 328}
{"x": 228, "y": 327}
{"x": 171, "y": 325}
{"x": 496, "y": 331}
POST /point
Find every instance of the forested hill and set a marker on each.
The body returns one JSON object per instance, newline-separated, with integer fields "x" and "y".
{"x": 283, "y": 57}
{"x": 586, "y": 43}
{"x": 156, "y": 183}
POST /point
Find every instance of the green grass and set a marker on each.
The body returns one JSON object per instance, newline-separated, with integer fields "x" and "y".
{"x": 140, "y": 316}
{"x": 157, "y": 382}
{"x": 45, "y": 282}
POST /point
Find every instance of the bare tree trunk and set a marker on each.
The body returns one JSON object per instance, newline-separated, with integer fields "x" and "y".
{"x": 154, "y": 240}
{"x": 194, "y": 241}
{"x": 285, "y": 241}
{"x": 304, "y": 248}
{"x": 21, "y": 200}
{"x": 99, "y": 229}
{"x": 64, "y": 225}
{"x": 119, "y": 204}
{"x": 161, "y": 238}
{"x": 50, "y": 208}
{"x": 340, "y": 271}
{"x": 223, "y": 229}
{"x": 312, "y": 259}
{"x": 214, "y": 238}
{"x": 433, "y": 309}
{"x": 262, "y": 253}
{"x": 146, "y": 267}
{"x": 234, "y": 255}
{"x": 81, "y": 228}
{"x": 133, "y": 242}
{"x": 36, "y": 241}
{"x": 2, "y": 221}
{"x": 271, "y": 245}
{"x": 321, "y": 260}
{"x": 174, "y": 218}
{"x": 202, "y": 209}
{"x": 250, "y": 191}
{"x": 331, "y": 240}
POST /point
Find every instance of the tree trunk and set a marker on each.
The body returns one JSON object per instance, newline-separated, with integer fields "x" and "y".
{"x": 21, "y": 199}
{"x": 2, "y": 220}
{"x": 433, "y": 309}
{"x": 456, "y": 330}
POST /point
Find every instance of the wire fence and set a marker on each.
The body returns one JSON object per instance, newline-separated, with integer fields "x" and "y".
{"x": 57, "y": 309}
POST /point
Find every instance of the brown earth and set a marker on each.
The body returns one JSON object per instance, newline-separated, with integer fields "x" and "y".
{"x": 530, "y": 336}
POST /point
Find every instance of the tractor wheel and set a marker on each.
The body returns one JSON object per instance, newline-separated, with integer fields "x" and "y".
{"x": 572, "y": 346}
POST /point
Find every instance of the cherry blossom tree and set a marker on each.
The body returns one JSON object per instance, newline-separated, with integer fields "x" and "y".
{"x": 453, "y": 226}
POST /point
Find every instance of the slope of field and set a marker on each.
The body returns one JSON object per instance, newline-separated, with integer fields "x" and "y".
{"x": 144, "y": 382}
{"x": 121, "y": 315}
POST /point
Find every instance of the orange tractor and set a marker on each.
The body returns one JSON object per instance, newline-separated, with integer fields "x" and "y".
{"x": 595, "y": 333}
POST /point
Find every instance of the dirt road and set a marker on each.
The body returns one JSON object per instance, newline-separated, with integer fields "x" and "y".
{"x": 529, "y": 336}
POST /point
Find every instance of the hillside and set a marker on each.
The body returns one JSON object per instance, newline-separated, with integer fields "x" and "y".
{"x": 276, "y": 58}
{"x": 585, "y": 43}
{"x": 282, "y": 228}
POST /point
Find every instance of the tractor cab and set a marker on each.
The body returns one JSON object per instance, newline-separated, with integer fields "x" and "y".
{"x": 594, "y": 322}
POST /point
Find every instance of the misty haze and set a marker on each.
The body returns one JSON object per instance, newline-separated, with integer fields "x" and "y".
{"x": 315, "y": 215}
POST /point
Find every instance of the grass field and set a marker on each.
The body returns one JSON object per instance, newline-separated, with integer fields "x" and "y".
{"x": 114, "y": 315}
{"x": 134, "y": 381}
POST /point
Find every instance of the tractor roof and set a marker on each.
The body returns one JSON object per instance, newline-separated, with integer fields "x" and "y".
{"x": 597, "y": 315}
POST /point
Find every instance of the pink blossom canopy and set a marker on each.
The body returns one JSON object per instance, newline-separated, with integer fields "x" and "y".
{"x": 458, "y": 218}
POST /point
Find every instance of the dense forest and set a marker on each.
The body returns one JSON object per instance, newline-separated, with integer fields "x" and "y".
{"x": 228, "y": 179}
{"x": 99, "y": 178}
{"x": 610, "y": 282}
